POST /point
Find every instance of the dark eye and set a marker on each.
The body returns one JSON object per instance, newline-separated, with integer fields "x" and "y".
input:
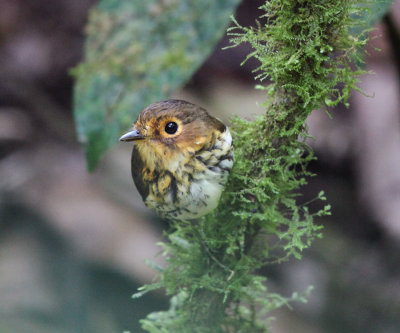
{"x": 171, "y": 127}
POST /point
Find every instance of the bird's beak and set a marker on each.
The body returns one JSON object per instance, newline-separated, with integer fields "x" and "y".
{"x": 132, "y": 136}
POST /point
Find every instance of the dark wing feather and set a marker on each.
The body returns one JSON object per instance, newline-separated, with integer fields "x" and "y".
{"x": 137, "y": 166}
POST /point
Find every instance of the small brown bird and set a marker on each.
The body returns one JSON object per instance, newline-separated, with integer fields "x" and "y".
{"x": 181, "y": 158}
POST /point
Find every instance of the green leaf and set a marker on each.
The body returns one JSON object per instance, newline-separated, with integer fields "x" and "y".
{"x": 138, "y": 52}
{"x": 374, "y": 12}
{"x": 379, "y": 9}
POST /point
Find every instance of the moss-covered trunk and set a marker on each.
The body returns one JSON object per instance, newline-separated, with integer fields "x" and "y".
{"x": 305, "y": 49}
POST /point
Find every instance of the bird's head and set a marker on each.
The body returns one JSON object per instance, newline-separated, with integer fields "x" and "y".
{"x": 170, "y": 128}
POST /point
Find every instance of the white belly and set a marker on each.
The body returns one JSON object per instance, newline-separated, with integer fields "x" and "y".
{"x": 203, "y": 197}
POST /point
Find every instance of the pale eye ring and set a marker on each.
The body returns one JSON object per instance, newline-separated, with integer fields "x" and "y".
{"x": 171, "y": 127}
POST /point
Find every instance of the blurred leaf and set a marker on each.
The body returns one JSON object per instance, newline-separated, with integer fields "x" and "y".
{"x": 138, "y": 52}
{"x": 379, "y": 9}
{"x": 375, "y": 11}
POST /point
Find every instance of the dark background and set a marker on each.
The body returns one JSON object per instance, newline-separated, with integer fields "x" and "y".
{"x": 73, "y": 244}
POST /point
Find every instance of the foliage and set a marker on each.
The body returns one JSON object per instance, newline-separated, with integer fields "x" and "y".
{"x": 138, "y": 52}
{"x": 374, "y": 12}
{"x": 306, "y": 49}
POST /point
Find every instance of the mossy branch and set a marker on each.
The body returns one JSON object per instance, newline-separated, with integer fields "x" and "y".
{"x": 306, "y": 50}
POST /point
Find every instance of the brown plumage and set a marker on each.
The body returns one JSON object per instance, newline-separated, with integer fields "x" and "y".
{"x": 181, "y": 158}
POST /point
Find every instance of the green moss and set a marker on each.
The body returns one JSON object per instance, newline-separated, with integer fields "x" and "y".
{"x": 305, "y": 49}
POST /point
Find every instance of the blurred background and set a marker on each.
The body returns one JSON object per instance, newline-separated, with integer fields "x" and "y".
{"x": 73, "y": 245}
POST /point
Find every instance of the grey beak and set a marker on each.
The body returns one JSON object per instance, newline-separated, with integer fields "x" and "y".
{"x": 131, "y": 136}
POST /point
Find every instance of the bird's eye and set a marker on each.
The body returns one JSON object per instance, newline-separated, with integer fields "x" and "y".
{"x": 171, "y": 127}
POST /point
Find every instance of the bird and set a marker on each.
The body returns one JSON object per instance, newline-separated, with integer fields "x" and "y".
{"x": 181, "y": 159}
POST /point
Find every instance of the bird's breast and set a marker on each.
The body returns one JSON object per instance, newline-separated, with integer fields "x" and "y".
{"x": 189, "y": 184}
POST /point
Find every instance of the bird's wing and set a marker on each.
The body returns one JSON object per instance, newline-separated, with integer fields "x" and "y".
{"x": 137, "y": 166}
